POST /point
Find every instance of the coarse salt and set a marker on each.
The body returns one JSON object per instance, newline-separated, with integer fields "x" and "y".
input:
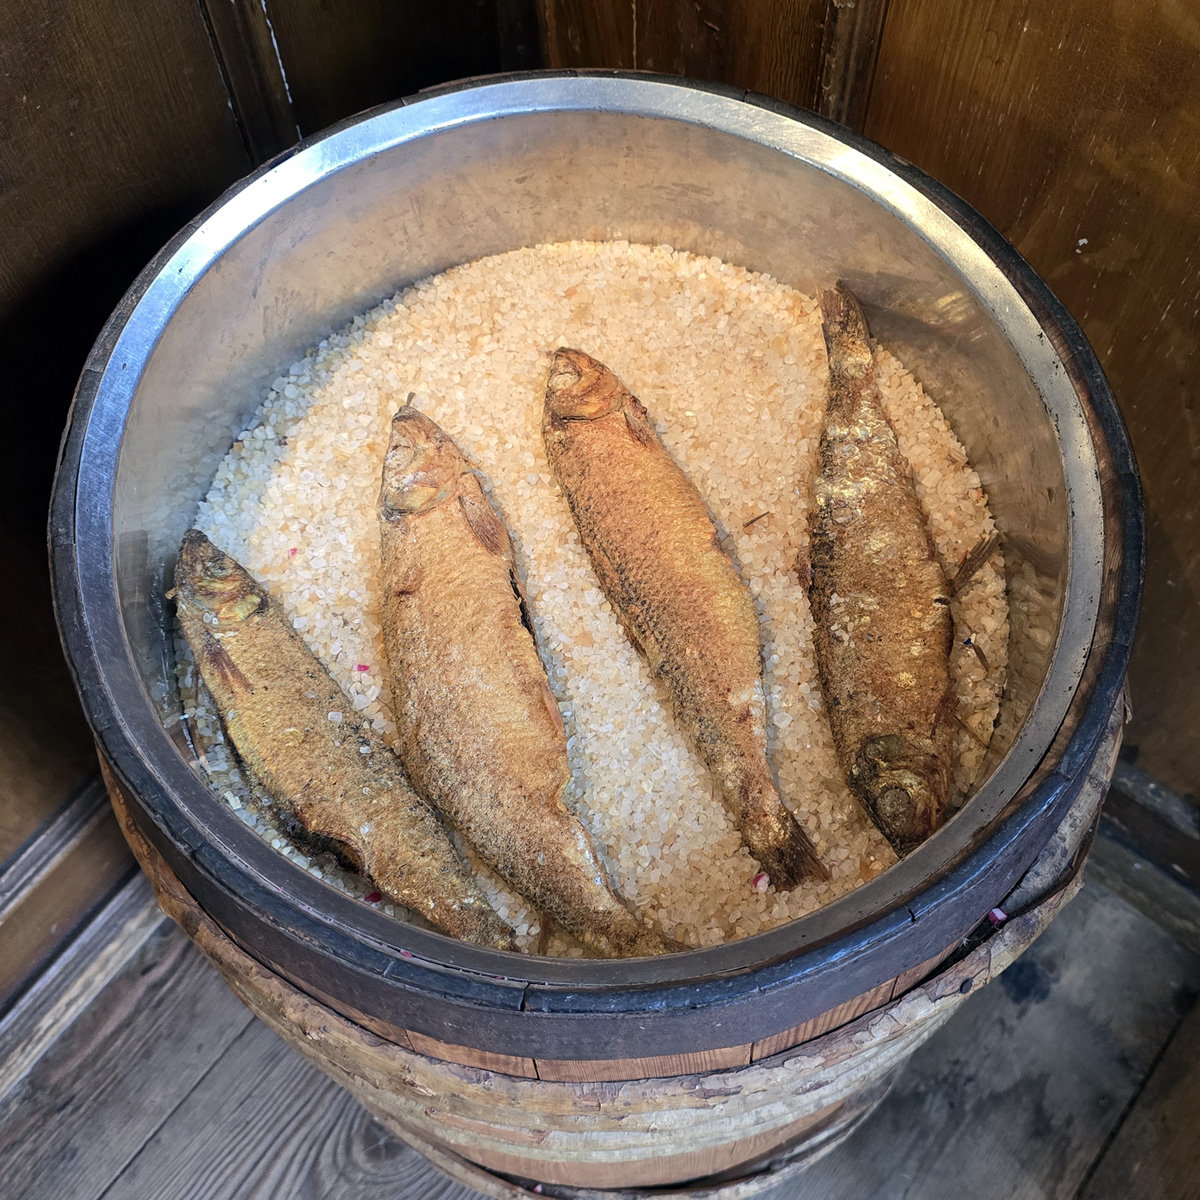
{"x": 751, "y": 349}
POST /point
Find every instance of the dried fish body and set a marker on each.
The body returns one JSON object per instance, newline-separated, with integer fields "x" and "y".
{"x": 480, "y": 732}
{"x": 678, "y": 595}
{"x": 880, "y": 601}
{"x": 295, "y": 729}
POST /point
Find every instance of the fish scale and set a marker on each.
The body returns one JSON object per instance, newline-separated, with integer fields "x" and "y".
{"x": 677, "y": 593}
{"x": 278, "y": 703}
{"x": 880, "y": 601}
{"x": 480, "y": 732}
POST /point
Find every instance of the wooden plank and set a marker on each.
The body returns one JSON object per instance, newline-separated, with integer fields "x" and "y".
{"x": 661, "y": 1066}
{"x": 249, "y": 57}
{"x": 1159, "y": 840}
{"x": 264, "y": 1123}
{"x": 61, "y": 992}
{"x": 849, "y": 51}
{"x": 378, "y": 1026}
{"x": 341, "y": 58}
{"x": 117, "y": 131}
{"x": 506, "y": 1064}
{"x": 1019, "y": 1093}
{"x": 1156, "y": 1155}
{"x": 773, "y": 48}
{"x": 914, "y": 975}
{"x": 840, "y": 1015}
{"x": 589, "y": 33}
{"x": 664, "y": 1176}
{"x": 1142, "y": 884}
{"x": 45, "y": 745}
{"x": 87, "y": 1105}
{"x": 1075, "y": 134}
{"x": 51, "y": 886}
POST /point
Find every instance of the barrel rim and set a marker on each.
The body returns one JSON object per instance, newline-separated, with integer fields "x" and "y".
{"x": 415, "y": 959}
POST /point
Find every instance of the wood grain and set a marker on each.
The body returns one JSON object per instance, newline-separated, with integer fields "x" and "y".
{"x": 1073, "y": 128}
{"x": 52, "y": 885}
{"x": 507, "y": 1064}
{"x": 849, "y": 51}
{"x": 77, "y": 1117}
{"x": 117, "y": 131}
{"x": 1144, "y": 885}
{"x": 1008, "y": 1099}
{"x": 608, "y": 1133}
{"x": 915, "y": 975}
{"x": 1020, "y": 1092}
{"x": 342, "y": 58}
{"x": 245, "y": 45}
{"x": 263, "y": 1123}
{"x": 46, "y": 750}
{"x": 666, "y": 1168}
{"x": 66, "y": 988}
{"x": 772, "y": 47}
{"x": 601, "y": 1070}
{"x": 1156, "y": 1155}
{"x": 832, "y": 1019}
{"x": 589, "y": 33}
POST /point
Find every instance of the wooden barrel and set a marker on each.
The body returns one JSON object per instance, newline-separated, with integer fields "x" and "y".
{"x": 729, "y": 1127}
{"x": 577, "y": 1072}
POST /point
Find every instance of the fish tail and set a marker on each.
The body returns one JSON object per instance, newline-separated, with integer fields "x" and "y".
{"x": 794, "y": 860}
{"x": 776, "y": 839}
{"x": 619, "y": 934}
{"x": 841, "y": 314}
{"x": 485, "y": 928}
{"x": 847, "y": 338}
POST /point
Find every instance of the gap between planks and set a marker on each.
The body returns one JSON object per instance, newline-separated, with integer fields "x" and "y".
{"x": 73, "y": 981}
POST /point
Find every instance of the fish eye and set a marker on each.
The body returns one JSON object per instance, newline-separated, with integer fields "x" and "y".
{"x": 564, "y": 375}
{"x": 400, "y": 455}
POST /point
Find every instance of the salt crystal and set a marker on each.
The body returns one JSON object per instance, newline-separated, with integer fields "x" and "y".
{"x": 473, "y": 344}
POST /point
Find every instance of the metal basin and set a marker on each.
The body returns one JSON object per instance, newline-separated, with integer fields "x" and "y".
{"x": 344, "y": 220}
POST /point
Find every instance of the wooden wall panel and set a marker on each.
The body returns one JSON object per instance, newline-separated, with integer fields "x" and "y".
{"x": 341, "y": 56}
{"x": 115, "y": 131}
{"x": 589, "y": 33}
{"x": 1075, "y": 127}
{"x": 769, "y": 47}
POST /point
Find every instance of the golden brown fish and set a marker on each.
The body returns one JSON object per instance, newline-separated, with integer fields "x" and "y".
{"x": 296, "y": 730}
{"x": 880, "y": 601}
{"x": 480, "y": 732}
{"x": 677, "y": 593}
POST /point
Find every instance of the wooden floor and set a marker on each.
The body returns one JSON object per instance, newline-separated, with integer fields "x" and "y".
{"x": 131, "y": 1073}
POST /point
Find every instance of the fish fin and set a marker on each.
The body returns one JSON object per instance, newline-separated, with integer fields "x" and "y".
{"x": 803, "y": 568}
{"x": 482, "y": 518}
{"x": 946, "y": 712}
{"x": 786, "y": 865}
{"x": 222, "y": 664}
{"x": 969, "y": 730}
{"x": 973, "y": 561}
{"x": 522, "y": 601}
{"x": 551, "y": 705}
{"x": 639, "y": 423}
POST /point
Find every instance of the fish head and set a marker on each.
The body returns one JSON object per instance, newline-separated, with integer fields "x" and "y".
{"x": 421, "y": 467}
{"x": 582, "y": 389}
{"x": 208, "y": 580}
{"x": 904, "y": 787}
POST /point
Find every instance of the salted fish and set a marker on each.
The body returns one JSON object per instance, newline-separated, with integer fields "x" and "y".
{"x": 480, "y": 732}
{"x": 677, "y": 593}
{"x": 297, "y": 732}
{"x": 880, "y": 600}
